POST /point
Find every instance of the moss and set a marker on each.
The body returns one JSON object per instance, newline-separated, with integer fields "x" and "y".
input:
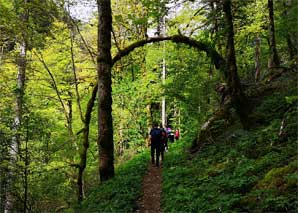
{"x": 217, "y": 169}
{"x": 278, "y": 179}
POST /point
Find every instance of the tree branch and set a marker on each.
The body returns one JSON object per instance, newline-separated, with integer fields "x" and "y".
{"x": 91, "y": 52}
{"x": 217, "y": 59}
{"x": 75, "y": 75}
{"x": 54, "y": 85}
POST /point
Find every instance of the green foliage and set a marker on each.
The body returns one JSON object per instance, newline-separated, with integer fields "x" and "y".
{"x": 122, "y": 192}
{"x": 242, "y": 171}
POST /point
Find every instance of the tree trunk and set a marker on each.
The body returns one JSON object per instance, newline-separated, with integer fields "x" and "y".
{"x": 273, "y": 58}
{"x": 14, "y": 148}
{"x": 239, "y": 100}
{"x": 162, "y": 23}
{"x": 3, "y": 169}
{"x": 104, "y": 66}
{"x": 87, "y": 118}
{"x": 215, "y": 6}
{"x": 83, "y": 154}
{"x": 69, "y": 117}
{"x": 74, "y": 71}
{"x": 292, "y": 48}
{"x": 16, "y": 139}
{"x": 26, "y": 169}
{"x": 257, "y": 58}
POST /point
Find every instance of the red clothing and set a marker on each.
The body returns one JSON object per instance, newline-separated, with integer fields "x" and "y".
{"x": 177, "y": 134}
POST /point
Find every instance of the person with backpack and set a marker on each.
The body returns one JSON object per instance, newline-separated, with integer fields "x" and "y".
{"x": 164, "y": 142}
{"x": 177, "y": 134}
{"x": 156, "y": 143}
{"x": 170, "y": 134}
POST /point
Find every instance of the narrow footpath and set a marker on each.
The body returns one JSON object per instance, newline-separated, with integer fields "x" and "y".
{"x": 150, "y": 200}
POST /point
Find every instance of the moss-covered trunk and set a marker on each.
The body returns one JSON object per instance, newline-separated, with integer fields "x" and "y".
{"x": 273, "y": 58}
{"x": 239, "y": 99}
{"x": 104, "y": 66}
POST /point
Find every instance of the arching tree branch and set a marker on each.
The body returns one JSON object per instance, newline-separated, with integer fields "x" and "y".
{"x": 217, "y": 59}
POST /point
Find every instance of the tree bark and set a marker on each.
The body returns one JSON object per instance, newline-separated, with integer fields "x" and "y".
{"x": 16, "y": 127}
{"x": 83, "y": 154}
{"x": 292, "y": 48}
{"x": 273, "y": 58}
{"x": 239, "y": 100}
{"x": 257, "y": 58}
{"x": 104, "y": 66}
{"x": 74, "y": 71}
{"x": 215, "y": 7}
{"x": 26, "y": 170}
{"x": 3, "y": 169}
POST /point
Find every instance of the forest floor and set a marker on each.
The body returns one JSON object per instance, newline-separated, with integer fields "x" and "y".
{"x": 149, "y": 202}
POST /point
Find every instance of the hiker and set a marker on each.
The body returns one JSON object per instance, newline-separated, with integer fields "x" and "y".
{"x": 170, "y": 134}
{"x": 177, "y": 134}
{"x": 164, "y": 142}
{"x": 155, "y": 138}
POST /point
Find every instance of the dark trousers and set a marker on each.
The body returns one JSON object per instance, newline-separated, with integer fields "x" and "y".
{"x": 155, "y": 152}
{"x": 162, "y": 152}
{"x": 171, "y": 138}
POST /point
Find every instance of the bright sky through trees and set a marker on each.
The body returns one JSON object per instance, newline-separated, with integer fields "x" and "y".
{"x": 83, "y": 9}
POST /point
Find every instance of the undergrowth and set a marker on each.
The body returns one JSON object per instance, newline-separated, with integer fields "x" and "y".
{"x": 242, "y": 171}
{"x": 121, "y": 192}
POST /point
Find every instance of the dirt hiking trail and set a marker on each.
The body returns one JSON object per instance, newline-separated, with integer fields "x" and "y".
{"x": 149, "y": 202}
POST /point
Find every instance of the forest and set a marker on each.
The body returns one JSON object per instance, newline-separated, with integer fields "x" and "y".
{"x": 83, "y": 81}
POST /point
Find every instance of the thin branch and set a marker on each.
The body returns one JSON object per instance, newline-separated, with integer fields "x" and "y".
{"x": 55, "y": 87}
{"x": 91, "y": 53}
{"x": 75, "y": 76}
{"x": 116, "y": 42}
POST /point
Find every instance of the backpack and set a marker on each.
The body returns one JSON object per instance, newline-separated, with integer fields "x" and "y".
{"x": 164, "y": 136}
{"x": 177, "y": 134}
{"x": 155, "y": 135}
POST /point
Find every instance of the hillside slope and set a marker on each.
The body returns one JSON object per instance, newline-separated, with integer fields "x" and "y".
{"x": 237, "y": 170}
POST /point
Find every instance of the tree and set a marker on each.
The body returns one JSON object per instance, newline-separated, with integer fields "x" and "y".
{"x": 30, "y": 23}
{"x": 104, "y": 66}
{"x": 257, "y": 58}
{"x": 286, "y": 25}
{"x": 273, "y": 57}
{"x": 20, "y": 90}
{"x": 239, "y": 99}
